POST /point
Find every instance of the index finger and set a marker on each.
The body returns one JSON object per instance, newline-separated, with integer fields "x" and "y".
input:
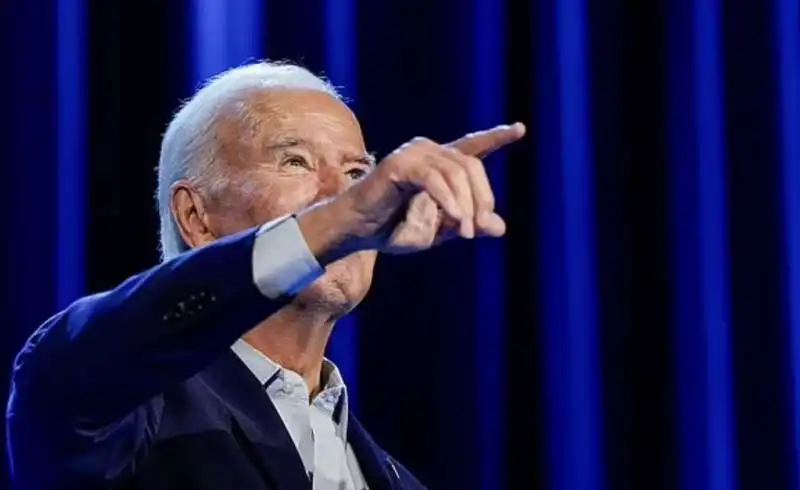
{"x": 482, "y": 143}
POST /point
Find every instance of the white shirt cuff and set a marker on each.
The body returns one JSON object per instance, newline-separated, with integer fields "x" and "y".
{"x": 282, "y": 261}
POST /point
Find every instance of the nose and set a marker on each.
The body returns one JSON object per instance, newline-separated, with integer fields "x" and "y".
{"x": 333, "y": 182}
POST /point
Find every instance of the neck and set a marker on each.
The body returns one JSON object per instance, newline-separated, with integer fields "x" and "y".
{"x": 295, "y": 337}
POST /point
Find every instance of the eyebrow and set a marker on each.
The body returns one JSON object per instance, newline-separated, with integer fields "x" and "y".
{"x": 368, "y": 159}
{"x": 284, "y": 143}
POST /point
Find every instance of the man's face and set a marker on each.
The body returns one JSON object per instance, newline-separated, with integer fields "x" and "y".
{"x": 296, "y": 148}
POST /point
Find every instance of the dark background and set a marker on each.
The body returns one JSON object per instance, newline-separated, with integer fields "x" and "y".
{"x": 639, "y": 326}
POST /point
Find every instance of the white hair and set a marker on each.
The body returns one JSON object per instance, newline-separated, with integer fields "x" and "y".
{"x": 189, "y": 149}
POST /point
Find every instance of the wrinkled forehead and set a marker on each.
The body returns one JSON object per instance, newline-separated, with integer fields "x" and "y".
{"x": 271, "y": 116}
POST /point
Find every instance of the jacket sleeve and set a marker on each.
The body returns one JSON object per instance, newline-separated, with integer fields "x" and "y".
{"x": 90, "y": 379}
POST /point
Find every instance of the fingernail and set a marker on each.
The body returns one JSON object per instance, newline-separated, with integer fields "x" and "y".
{"x": 465, "y": 229}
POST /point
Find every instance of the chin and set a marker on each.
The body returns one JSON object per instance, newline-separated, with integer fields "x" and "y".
{"x": 344, "y": 285}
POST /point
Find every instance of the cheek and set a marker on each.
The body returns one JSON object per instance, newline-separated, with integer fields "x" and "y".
{"x": 278, "y": 197}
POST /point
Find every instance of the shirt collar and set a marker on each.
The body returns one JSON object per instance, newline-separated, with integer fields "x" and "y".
{"x": 275, "y": 378}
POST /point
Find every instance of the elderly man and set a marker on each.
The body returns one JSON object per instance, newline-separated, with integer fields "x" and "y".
{"x": 208, "y": 370}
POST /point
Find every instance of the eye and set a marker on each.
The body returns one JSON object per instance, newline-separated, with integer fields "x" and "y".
{"x": 296, "y": 162}
{"x": 357, "y": 173}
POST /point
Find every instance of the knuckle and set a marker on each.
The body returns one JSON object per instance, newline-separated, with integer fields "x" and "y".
{"x": 487, "y": 203}
{"x": 391, "y": 162}
{"x": 456, "y": 172}
{"x": 393, "y": 158}
{"x": 423, "y": 142}
{"x": 391, "y": 168}
{"x": 473, "y": 163}
{"x": 412, "y": 149}
{"x": 405, "y": 148}
{"x": 434, "y": 182}
{"x": 430, "y": 178}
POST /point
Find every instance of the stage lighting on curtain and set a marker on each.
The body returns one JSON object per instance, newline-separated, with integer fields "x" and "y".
{"x": 71, "y": 136}
{"x": 699, "y": 249}
{"x": 486, "y": 50}
{"x": 226, "y": 34}
{"x": 340, "y": 48}
{"x": 567, "y": 254}
{"x": 787, "y": 60}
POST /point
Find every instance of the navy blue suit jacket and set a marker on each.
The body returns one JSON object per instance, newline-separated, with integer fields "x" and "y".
{"x": 137, "y": 388}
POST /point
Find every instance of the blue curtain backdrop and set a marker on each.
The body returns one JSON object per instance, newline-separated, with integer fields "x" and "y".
{"x": 639, "y": 328}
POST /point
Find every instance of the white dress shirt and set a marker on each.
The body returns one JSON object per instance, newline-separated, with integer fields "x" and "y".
{"x": 283, "y": 264}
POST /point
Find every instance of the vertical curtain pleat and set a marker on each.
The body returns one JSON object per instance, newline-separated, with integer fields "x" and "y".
{"x": 486, "y": 75}
{"x": 71, "y": 182}
{"x": 699, "y": 254}
{"x": 567, "y": 227}
{"x": 787, "y": 63}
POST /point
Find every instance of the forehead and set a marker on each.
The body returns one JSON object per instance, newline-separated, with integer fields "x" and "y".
{"x": 303, "y": 114}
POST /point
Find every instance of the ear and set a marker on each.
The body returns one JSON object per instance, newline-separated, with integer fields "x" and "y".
{"x": 189, "y": 210}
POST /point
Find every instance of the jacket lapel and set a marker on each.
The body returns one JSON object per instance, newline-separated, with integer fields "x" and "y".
{"x": 257, "y": 426}
{"x": 378, "y": 470}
